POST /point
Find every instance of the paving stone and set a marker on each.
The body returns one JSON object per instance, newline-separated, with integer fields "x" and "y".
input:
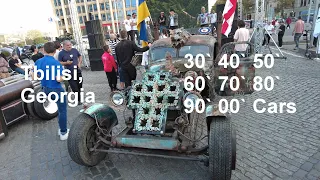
{"x": 307, "y": 166}
{"x": 300, "y": 174}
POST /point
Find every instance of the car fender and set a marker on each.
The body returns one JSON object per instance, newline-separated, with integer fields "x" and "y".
{"x": 212, "y": 110}
{"x": 103, "y": 114}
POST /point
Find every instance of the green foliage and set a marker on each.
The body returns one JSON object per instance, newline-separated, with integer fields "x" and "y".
{"x": 39, "y": 40}
{"x": 33, "y": 34}
{"x": 29, "y": 41}
{"x": 192, "y": 7}
{"x": 218, "y": 2}
{"x": 20, "y": 44}
{"x": 247, "y": 6}
{"x": 283, "y": 4}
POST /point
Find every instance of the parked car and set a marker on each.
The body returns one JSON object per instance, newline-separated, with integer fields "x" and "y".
{"x": 14, "y": 109}
{"x": 160, "y": 103}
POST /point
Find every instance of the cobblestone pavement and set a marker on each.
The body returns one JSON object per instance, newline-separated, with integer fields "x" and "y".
{"x": 269, "y": 146}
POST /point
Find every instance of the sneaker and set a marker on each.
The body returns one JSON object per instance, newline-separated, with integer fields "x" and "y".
{"x": 64, "y": 137}
{"x": 59, "y": 132}
{"x": 295, "y": 48}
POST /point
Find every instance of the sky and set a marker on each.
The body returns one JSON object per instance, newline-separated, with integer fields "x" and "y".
{"x": 28, "y": 14}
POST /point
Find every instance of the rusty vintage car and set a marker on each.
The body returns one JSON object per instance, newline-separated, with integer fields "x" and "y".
{"x": 163, "y": 120}
{"x": 12, "y": 107}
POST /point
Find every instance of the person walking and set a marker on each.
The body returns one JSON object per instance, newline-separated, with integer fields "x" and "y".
{"x": 110, "y": 67}
{"x": 173, "y": 20}
{"x": 125, "y": 50}
{"x": 269, "y": 28}
{"x": 53, "y": 85}
{"x": 298, "y": 31}
{"x": 203, "y": 18}
{"x": 4, "y": 70}
{"x": 72, "y": 59}
{"x": 242, "y": 34}
{"x": 127, "y": 26}
{"x": 162, "y": 19}
{"x": 282, "y": 30}
{"x": 134, "y": 28}
{"x": 288, "y": 21}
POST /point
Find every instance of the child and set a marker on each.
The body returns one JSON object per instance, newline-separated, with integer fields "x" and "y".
{"x": 110, "y": 67}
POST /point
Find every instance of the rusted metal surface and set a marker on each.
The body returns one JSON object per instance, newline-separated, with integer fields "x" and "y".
{"x": 148, "y": 142}
{"x": 193, "y": 40}
{"x": 104, "y": 115}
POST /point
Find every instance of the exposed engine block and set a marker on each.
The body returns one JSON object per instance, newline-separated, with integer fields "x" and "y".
{"x": 151, "y": 98}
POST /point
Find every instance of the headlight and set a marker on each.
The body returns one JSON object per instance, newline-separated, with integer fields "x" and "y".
{"x": 117, "y": 98}
{"x": 191, "y": 97}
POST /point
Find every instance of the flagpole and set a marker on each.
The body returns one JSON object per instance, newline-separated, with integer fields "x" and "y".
{"x": 116, "y": 10}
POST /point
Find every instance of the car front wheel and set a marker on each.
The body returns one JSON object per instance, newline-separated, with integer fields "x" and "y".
{"x": 221, "y": 148}
{"x": 83, "y": 137}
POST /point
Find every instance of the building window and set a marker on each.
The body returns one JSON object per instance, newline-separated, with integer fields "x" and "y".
{"x": 85, "y": 18}
{"x": 83, "y": 9}
{"x": 134, "y": 11}
{"x": 107, "y": 6}
{"x": 119, "y": 5}
{"x": 80, "y": 20}
{"x": 104, "y": 17}
{"x": 128, "y": 12}
{"x": 96, "y": 17}
{"x": 65, "y": 2}
{"x": 69, "y": 21}
{"x": 59, "y": 2}
{"x": 95, "y": 7}
{"x": 133, "y": 3}
{"x": 88, "y": 0}
{"x": 57, "y": 12}
{"x": 108, "y": 17}
{"x": 55, "y": 3}
{"x": 120, "y": 14}
{"x": 79, "y": 9}
{"x": 61, "y": 13}
{"x": 59, "y": 22}
{"x": 102, "y": 6}
{"x": 67, "y": 11}
{"x": 128, "y": 3}
{"x": 90, "y": 8}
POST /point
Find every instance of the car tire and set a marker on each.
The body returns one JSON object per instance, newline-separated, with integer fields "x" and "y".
{"x": 78, "y": 149}
{"x": 47, "y": 110}
{"x": 221, "y": 148}
{"x": 31, "y": 110}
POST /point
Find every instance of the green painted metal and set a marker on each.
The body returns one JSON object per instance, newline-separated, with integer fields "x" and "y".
{"x": 103, "y": 114}
{"x": 148, "y": 143}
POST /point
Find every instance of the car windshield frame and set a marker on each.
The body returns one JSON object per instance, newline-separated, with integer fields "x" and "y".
{"x": 164, "y": 50}
{"x": 182, "y": 55}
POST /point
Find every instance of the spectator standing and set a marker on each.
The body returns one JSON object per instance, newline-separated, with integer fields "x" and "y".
{"x": 134, "y": 28}
{"x": 173, "y": 20}
{"x": 242, "y": 34}
{"x": 213, "y": 19}
{"x": 282, "y": 30}
{"x": 162, "y": 19}
{"x": 298, "y": 31}
{"x": 125, "y": 50}
{"x": 58, "y": 47}
{"x": 112, "y": 45}
{"x": 35, "y": 53}
{"x": 269, "y": 28}
{"x": 127, "y": 25}
{"x": 145, "y": 57}
{"x": 15, "y": 64}
{"x": 54, "y": 86}
{"x": 110, "y": 67}
{"x": 203, "y": 18}
{"x": 4, "y": 70}
{"x": 288, "y": 21}
{"x": 72, "y": 59}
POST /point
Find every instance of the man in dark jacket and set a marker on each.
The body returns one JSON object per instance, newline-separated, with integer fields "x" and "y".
{"x": 125, "y": 50}
{"x": 162, "y": 21}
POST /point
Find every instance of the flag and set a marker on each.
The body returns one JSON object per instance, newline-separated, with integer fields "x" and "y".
{"x": 316, "y": 31}
{"x": 228, "y": 15}
{"x": 143, "y": 13}
{"x": 50, "y": 19}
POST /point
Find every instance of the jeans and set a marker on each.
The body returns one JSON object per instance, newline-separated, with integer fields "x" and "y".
{"x": 266, "y": 38}
{"x": 76, "y": 85}
{"x": 62, "y": 107}
{"x": 115, "y": 58}
{"x": 20, "y": 71}
{"x": 135, "y": 32}
{"x": 161, "y": 29}
{"x": 296, "y": 38}
{"x": 280, "y": 37}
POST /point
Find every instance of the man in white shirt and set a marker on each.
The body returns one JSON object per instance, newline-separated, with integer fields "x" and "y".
{"x": 213, "y": 19}
{"x": 145, "y": 57}
{"x": 127, "y": 26}
{"x": 203, "y": 18}
{"x": 134, "y": 28}
{"x": 58, "y": 47}
{"x": 269, "y": 29}
{"x": 242, "y": 34}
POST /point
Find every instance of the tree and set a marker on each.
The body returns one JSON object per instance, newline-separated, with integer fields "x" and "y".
{"x": 39, "y": 40}
{"x": 283, "y": 4}
{"x": 33, "y": 34}
{"x": 247, "y": 5}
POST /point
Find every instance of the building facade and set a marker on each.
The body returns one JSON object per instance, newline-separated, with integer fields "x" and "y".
{"x": 111, "y": 13}
{"x": 302, "y": 9}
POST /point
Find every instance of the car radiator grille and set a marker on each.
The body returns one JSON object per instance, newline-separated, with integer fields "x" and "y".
{"x": 152, "y": 97}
